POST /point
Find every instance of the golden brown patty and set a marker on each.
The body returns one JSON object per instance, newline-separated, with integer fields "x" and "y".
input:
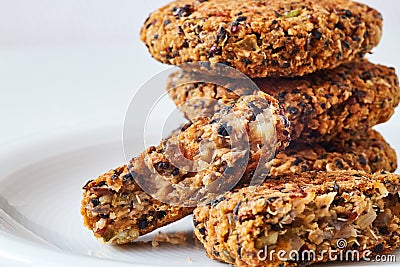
{"x": 263, "y": 38}
{"x": 313, "y": 212}
{"x": 117, "y": 210}
{"x": 320, "y": 106}
{"x": 367, "y": 151}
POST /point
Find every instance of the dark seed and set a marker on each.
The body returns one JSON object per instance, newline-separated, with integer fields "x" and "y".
{"x": 293, "y": 110}
{"x": 130, "y": 176}
{"x": 163, "y": 165}
{"x": 295, "y": 50}
{"x": 115, "y": 175}
{"x": 342, "y": 75}
{"x": 166, "y": 22}
{"x": 272, "y": 199}
{"x": 339, "y": 26}
{"x": 285, "y": 122}
{"x": 282, "y": 95}
{"x": 378, "y": 248}
{"x": 221, "y": 35}
{"x": 104, "y": 216}
{"x": 101, "y": 184}
{"x": 308, "y": 112}
{"x": 156, "y": 36}
{"x": 360, "y": 94}
{"x": 241, "y": 18}
{"x": 256, "y": 110}
{"x": 304, "y": 169}
{"x": 317, "y": 34}
{"x": 336, "y": 187}
{"x": 185, "y": 43}
{"x": 95, "y": 202}
{"x": 297, "y": 162}
{"x": 199, "y": 28}
{"x": 175, "y": 172}
{"x": 366, "y": 75}
{"x": 202, "y": 231}
{"x": 286, "y": 65}
{"x": 376, "y": 159}
{"x": 186, "y": 126}
{"x": 216, "y": 201}
{"x": 184, "y": 11}
{"x": 346, "y": 45}
{"x": 143, "y": 223}
{"x": 339, "y": 164}
{"x": 246, "y": 61}
{"x": 236, "y": 209}
{"x": 161, "y": 214}
{"x": 362, "y": 160}
{"x": 224, "y": 129}
{"x": 348, "y": 13}
{"x": 285, "y": 132}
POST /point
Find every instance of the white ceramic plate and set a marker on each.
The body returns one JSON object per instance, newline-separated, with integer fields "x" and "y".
{"x": 40, "y": 193}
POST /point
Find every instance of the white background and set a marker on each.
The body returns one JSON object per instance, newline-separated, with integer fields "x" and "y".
{"x": 75, "y": 63}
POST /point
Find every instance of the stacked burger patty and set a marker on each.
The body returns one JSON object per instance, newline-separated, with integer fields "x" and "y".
{"x": 330, "y": 178}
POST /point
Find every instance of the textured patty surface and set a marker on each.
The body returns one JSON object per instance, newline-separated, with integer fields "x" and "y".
{"x": 131, "y": 201}
{"x": 312, "y": 212}
{"x": 117, "y": 210}
{"x": 263, "y": 38}
{"x": 320, "y": 106}
{"x": 367, "y": 151}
